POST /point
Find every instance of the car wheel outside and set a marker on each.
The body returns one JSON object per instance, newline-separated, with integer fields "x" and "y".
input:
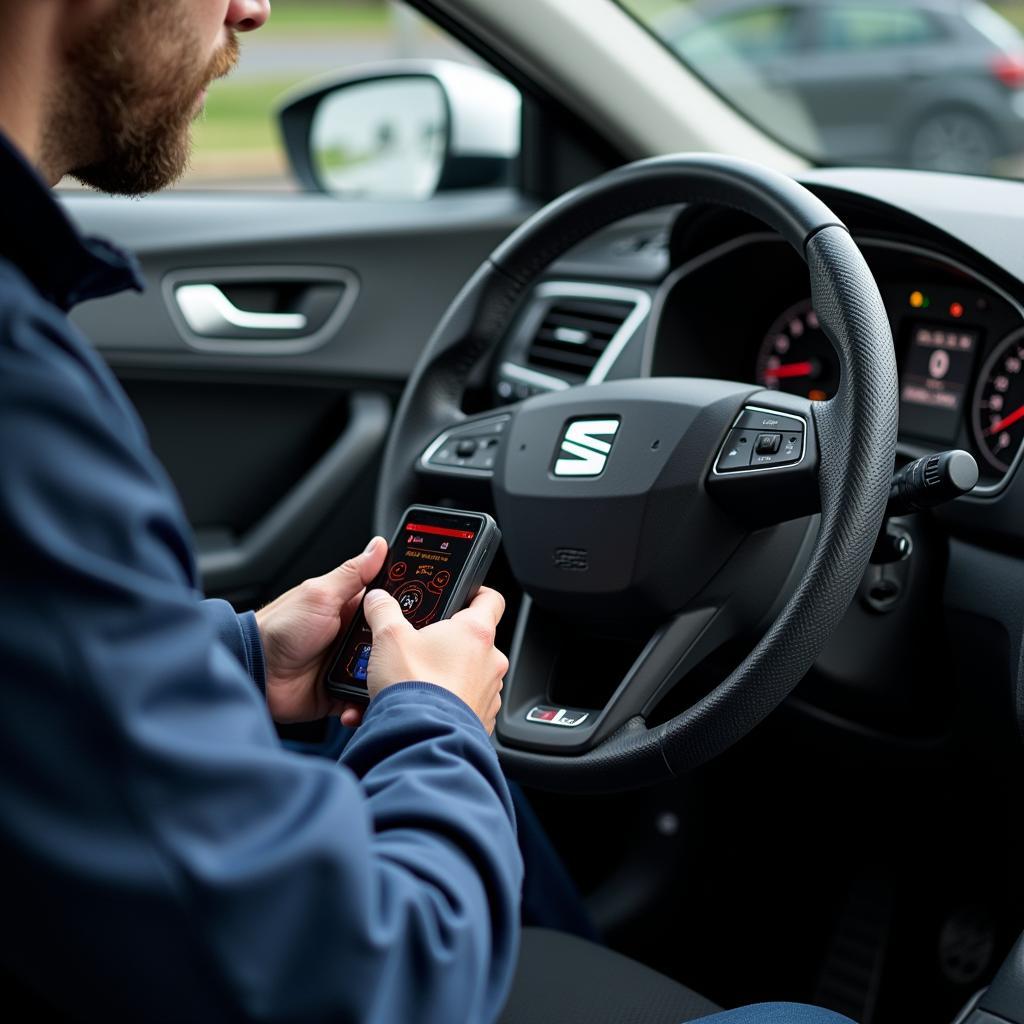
{"x": 957, "y": 141}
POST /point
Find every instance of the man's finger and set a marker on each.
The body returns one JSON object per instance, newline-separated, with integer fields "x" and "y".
{"x": 350, "y": 577}
{"x": 351, "y": 716}
{"x": 488, "y": 605}
{"x": 382, "y": 613}
{"x": 347, "y": 712}
{"x": 350, "y": 607}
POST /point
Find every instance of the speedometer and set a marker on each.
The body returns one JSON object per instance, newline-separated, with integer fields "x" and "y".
{"x": 999, "y": 403}
{"x": 797, "y": 357}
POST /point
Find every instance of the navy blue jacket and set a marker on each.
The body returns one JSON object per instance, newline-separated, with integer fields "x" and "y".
{"x": 163, "y": 856}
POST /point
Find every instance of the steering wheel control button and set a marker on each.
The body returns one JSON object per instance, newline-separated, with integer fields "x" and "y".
{"x": 792, "y": 448}
{"x": 736, "y": 452}
{"x": 761, "y": 419}
{"x": 751, "y": 444}
{"x": 542, "y": 714}
{"x": 790, "y": 451}
{"x": 471, "y": 449}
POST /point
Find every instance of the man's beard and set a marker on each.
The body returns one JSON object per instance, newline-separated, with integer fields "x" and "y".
{"x": 136, "y": 84}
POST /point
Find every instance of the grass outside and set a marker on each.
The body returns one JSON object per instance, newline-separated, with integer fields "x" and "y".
{"x": 241, "y": 115}
{"x": 1013, "y": 12}
{"x": 302, "y": 17}
{"x": 237, "y": 137}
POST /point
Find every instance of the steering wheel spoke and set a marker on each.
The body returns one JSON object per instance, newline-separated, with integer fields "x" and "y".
{"x": 766, "y": 469}
{"x": 469, "y": 450}
{"x": 534, "y": 718}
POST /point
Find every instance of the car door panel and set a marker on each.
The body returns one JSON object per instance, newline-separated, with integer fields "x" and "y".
{"x": 275, "y": 460}
{"x": 409, "y": 260}
{"x": 272, "y": 436}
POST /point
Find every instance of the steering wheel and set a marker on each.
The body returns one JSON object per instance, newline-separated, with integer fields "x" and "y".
{"x": 656, "y": 505}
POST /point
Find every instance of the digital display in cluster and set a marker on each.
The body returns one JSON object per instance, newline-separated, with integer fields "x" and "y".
{"x": 936, "y": 373}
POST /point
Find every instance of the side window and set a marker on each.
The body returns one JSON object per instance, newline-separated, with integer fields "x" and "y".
{"x": 238, "y": 143}
{"x": 875, "y": 27}
{"x": 757, "y": 33}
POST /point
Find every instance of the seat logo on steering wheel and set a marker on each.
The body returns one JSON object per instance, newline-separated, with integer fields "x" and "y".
{"x": 585, "y": 447}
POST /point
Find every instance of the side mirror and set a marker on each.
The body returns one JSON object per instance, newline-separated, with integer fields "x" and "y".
{"x": 403, "y": 129}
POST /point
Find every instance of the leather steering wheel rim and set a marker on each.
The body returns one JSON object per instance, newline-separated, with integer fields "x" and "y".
{"x": 856, "y": 434}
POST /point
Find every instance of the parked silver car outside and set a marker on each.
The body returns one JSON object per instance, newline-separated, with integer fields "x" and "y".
{"x": 932, "y": 84}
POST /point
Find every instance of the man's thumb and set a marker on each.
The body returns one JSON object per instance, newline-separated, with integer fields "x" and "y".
{"x": 350, "y": 577}
{"x": 382, "y": 611}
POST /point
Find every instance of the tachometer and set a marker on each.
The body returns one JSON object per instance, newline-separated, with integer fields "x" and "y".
{"x": 797, "y": 357}
{"x": 999, "y": 403}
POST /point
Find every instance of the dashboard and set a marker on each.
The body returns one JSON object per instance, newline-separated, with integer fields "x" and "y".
{"x": 742, "y": 311}
{"x": 708, "y": 292}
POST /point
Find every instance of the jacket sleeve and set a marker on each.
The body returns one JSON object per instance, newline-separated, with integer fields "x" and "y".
{"x": 240, "y": 634}
{"x": 164, "y": 857}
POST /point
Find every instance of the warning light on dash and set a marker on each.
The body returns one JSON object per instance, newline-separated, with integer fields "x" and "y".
{"x": 918, "y": 300}
{"x": 956, "y": 310}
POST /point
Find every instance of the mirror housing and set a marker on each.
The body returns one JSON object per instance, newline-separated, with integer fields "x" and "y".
{"x": 403, "y": 129}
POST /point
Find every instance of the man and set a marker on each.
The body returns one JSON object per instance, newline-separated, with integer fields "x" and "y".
{"x": 164, "y": 857}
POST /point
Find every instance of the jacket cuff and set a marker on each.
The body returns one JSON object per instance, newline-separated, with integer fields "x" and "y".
{"x": 430, "y": 693}
{"x": 256, "y": 662}
{"x": 241, "y": 635}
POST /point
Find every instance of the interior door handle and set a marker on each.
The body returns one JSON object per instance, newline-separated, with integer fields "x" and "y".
{"x": 260, "y": 311}
{"x": 208, "y": 311}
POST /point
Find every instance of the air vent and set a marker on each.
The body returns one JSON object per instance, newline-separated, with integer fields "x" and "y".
{"x": 574, "y": 334}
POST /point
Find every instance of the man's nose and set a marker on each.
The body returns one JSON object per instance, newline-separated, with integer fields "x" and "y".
{"x": 247, "y": 15}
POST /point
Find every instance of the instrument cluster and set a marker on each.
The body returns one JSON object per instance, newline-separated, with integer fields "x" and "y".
{"x": 745, "y": 314}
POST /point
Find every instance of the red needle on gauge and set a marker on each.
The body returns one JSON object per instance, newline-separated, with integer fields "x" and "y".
{"x": 791, "y": 370}
{"x": 1007, "y": 421}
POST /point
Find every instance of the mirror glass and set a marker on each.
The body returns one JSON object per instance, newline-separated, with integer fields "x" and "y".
{"x": 384, "y": 138}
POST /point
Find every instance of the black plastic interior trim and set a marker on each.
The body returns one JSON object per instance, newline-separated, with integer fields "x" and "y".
{"x": 267, "y": 546}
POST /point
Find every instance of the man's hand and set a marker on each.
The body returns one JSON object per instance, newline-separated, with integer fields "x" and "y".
{"x": 298, "y": 629}
{"x": 457, "y": 654}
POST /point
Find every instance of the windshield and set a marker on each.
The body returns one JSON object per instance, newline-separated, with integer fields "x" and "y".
{"x": 929, "y": 84}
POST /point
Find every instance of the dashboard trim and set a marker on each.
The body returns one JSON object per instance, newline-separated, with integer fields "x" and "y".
{"x": 709, "y": 256}
{"x": 525, "y": 375}
{"x": 547, "y": 290}
{"x": 625, "y": 333}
